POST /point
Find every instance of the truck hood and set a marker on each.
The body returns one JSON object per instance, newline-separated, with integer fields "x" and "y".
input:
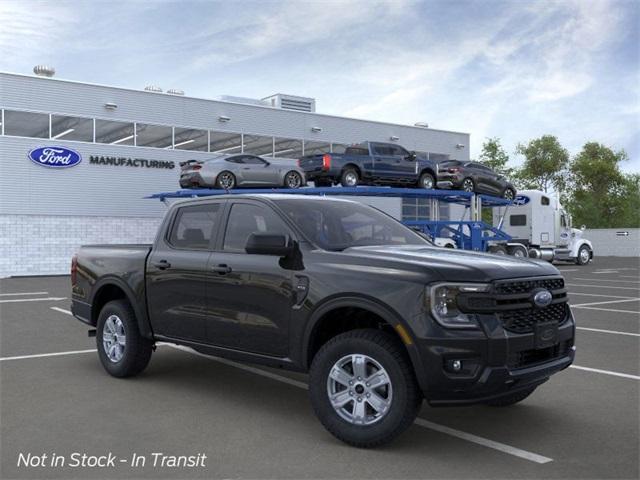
{"x": 458, "y": 265}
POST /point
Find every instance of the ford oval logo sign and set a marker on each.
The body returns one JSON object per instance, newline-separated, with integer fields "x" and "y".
{"x": 542, "y": 298}
{"x": 55, "y": 157}
{"x": 521, "y": 200}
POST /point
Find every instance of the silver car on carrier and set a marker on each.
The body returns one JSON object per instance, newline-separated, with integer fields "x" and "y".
{"x": 241, "y": 170}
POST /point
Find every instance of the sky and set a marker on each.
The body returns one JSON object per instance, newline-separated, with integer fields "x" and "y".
{"x": 509, "y": 69}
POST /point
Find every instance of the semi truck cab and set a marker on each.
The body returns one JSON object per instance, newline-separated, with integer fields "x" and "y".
{"x": 538, "y": 221}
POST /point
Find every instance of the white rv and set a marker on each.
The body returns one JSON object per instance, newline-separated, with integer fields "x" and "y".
{"x": 538, "y": 222}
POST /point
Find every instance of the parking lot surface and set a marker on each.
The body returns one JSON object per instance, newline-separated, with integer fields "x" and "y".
{"x": 254, "y": 422}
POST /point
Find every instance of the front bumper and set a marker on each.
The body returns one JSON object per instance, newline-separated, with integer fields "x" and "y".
{"x": 495, "y": 362}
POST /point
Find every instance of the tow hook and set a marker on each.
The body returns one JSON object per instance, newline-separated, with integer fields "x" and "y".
{"x": 91, "y": 333}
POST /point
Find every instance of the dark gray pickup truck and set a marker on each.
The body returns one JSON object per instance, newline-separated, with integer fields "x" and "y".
{"x": 379, "y": 317}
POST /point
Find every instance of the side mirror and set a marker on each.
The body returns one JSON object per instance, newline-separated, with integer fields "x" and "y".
{"x": 269, "y": 244}
{"x": 412, "y": 156}
{"x": 583, "y": 228}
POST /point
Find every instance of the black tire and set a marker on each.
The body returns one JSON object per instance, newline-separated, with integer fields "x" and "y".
{"x": 519, "y": 251}
{"x": 349, "y": 177}
{"x": 508, "y": 194}
{"x": 468, "y": 185}
{"x": 226, "y": 180}
{"x": 427, "y": 181}
{"x": 582, "y": 258}
{"x": 289, "y": 180}
{"x": 498, "y": 250}
{"x": 512, "y": 399}
{"x": 391, "y": 355}
{"x": 137, "y": 349}
{"x": 323, "y": 183}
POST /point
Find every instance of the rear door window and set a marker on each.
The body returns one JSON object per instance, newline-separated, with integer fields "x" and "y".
{"x": 194, "y": 226}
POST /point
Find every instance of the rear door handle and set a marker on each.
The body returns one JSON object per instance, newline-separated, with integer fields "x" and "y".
{"x": 222, "y": 269}
{"x": 162, "y": 264}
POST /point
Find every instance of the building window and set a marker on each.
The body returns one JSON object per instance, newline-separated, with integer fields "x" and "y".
{"x": 415, "y": 209}
{"x": 71, "y": 128}
{"x": 190, "y": 139}
{"x": 287, "y": 148}
{"x": 258, "y": 145}
{"x": 225, "y": 142}
{"x": 315, "y": 148}
{"x": 157, "y": 136}
{"x": 114, "y": 133}
{"x": 26, "y": 124}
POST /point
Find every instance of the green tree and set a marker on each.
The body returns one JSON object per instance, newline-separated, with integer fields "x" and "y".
{"x": 600, "y": 195}
{"x": 545, "y": 164}
{"x": 494, "y": 156}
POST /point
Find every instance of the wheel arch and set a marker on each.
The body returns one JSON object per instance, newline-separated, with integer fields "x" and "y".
{"x": 368, "y": 313}
{"x": 113, "y": 288}
{"x": 430, "y": 171}
{"x": 354, "y": 166}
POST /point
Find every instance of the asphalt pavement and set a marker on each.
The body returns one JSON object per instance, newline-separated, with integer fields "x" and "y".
{"x": 255, "y": 422}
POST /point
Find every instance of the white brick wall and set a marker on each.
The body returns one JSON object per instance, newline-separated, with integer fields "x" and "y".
{"x": 613, "y": 241}
{"x": 44, "y": 245}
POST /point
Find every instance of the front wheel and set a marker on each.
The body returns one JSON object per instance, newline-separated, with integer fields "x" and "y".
{"x": 123, "y": 352}
{"x": 512, "y": 399}
{"x": 509, "y": 194}
{"x": 498, "y": 250}
{"x": 519, "y": 251}
{"x": 293, "y": 179}
{"x": 363, "y": 388}
{"x": 468, "y": 185}
{"x": 427, "y": 181}
{"x": 584, "y": 255}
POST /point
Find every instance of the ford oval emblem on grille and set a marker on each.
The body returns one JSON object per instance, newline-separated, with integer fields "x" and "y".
{"x": 55, "y": 157}
{"x": 542, "y": 298}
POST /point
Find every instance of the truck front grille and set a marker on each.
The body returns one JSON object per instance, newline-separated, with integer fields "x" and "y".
{"x": 526, "y": 286}
{"x": 523, "y": 320}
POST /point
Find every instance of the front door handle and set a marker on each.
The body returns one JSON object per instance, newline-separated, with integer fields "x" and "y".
{"x": 162, "y": 264}
{"x": 222, "y": 269}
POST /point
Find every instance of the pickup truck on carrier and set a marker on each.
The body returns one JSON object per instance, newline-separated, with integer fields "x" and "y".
{"x": 371, "y": 163}
{"x": 378, "y": 316}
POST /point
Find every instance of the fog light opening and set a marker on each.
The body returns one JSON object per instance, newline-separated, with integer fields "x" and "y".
{"x": 456, "y": 365}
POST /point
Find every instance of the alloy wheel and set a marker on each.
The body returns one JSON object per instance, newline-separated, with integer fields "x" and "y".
{"x": 467, "y": 185}
{"x": 293, "y": 180}
{"x": 359, "y": 389}
{"x": 351, "y": 179}
{"x": 114, "y": 338}
{"x": 226, "y": 181}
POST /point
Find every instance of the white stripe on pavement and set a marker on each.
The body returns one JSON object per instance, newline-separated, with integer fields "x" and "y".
{"x": 569, "y": 269}
{"x": 533, "y": 457}
{"x": 608, "y": 301}
{"x": 602, "y": 286}
{"x": 606, "y": 372}
{"x": 605, "y": 272}
{"x": 23, "y": 293}
{"x": 606, "y": 280}
{"x": 42, "y": 355}
{"x": 61, "y": 310}
{"x": 608, "y": 331}
{"x": 597, "y": 295}
{"x": 47, "y": 299}
{"x": 628, "y": 276}
{"x": 607, "y": 310}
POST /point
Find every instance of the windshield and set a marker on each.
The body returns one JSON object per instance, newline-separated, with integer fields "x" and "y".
{"x": 336, "y": 225}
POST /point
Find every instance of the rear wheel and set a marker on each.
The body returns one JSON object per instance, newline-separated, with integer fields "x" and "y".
{"x": 519, "y": 251}
{"x": 584, "y": 255}
{"x": 468, "y": 185}
{"x": 349, "y": 178}
{"x": 123, "y": 352}
{"x": 497, "y": 250}
{"x": 427, "y": 181}
{"x": 293, "y": 179}
{"x": 363, "y": 388}
{"x": 511, "y": 399}
{"x": 226, "y": 180}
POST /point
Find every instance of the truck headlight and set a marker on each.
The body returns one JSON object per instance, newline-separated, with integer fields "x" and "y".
{"x": 443, "y": 303}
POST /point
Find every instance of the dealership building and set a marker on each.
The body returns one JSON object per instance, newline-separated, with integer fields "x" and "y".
{"x": 129, "y": 144}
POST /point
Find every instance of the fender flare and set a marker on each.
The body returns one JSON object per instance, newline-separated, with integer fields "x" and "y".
{"x": 142, "y": 319}
{"x": 580, "y": 243}
{"x": 374, "y": 306}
